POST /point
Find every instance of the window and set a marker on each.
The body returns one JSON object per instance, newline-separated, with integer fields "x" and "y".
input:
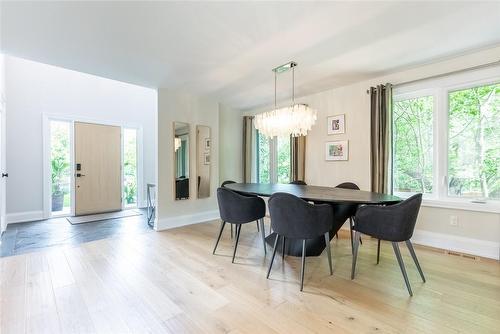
{"x": 474, "y": 142}
{"x": 60, "y": 167}
{"x": 273, "y": 159}
{"x": 446, "y": 139}
{"x": 130, "y": 167}
{"x": 413, "y": 145}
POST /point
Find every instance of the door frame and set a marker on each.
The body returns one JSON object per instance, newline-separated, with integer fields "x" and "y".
{"x": 47, "y": 182}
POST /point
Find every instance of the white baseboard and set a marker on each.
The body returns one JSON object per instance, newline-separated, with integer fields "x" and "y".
{"x": 177, "y": 221}
{"x": 21, "y": 217}
{"x": 483, "y": 248}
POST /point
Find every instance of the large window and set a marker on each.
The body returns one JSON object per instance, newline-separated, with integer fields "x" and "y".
{"x": 273, "y": 159}
{"x": 413, "y": 144}
{"x": 446, "y": 139}
{"x": 474, "y": 142}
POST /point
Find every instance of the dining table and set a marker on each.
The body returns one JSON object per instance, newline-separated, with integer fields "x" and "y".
{"x": 318, "y": 195}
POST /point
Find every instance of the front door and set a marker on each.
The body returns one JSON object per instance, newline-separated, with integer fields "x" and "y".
{"x": 97, "y": 168}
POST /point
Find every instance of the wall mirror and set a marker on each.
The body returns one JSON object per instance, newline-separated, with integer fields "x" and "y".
{"x": 181, "y": 160}
{"x": 204, "y": 145}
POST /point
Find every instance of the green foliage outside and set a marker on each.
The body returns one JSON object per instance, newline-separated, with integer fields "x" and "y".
{"x": 263, "y": 163}
{"x": 413, "y": 147}
{"x": 130, "y": 166}
{"x": 60, "y": 161}
{"x": 474, "y": 142}
{"x": 283, "y": 161}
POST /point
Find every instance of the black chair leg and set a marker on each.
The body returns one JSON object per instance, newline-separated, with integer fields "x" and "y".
{"x": 231, "y": 231}
{"x": 303, "y": 267}
{"x": 350, "y": 230}
{"x": 238, "y": 229}
{"x": 328, "y": 251}
{"x": 263, "y": 234}
{"x": 355, "y": 253}
{"x": 283, "y": 248}
{"x": 258, "y": 230}
{"x": 395, "y": 246}
{"x": 378, "y": 251}
{"x": 414, "y": 256}
{"x": 222, "y": 224}
{"x": 274, "y": 254}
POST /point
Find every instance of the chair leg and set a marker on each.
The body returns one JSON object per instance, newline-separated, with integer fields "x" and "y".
{"x": 283, "y": 249}
{"x": 378, "y": 251}
{"x": 263, "y": 234}
{"x": 355, "y": 253}
{"x": 414, "y": 256}
{"x": 222, "y": 224}
{"x": 238, "y": 229}
{"x": 258, "y": 229}
{"x": 274, "y": 254}
{"x": 395, "y": 246}
{"x": 328, "y": 251}
{"x": 350, "y": 229}
{"x": 303, "y": 267}
{"x": 231, "y": 231}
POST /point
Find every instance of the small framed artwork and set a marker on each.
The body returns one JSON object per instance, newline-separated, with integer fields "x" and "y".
{"x": 207, "y": 144}
{"x": 337, "y": 150}
{"x": 336, "y": 124}
{"x": 206, "y": 158}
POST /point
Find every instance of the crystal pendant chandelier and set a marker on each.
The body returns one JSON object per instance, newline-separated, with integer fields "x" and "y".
{"x": 295, "y": 120}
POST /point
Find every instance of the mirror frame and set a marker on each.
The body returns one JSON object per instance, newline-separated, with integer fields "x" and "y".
{"x": 174, "y": 160}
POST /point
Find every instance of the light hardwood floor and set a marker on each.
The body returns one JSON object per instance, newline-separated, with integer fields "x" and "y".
{"x": 170, "y": 282}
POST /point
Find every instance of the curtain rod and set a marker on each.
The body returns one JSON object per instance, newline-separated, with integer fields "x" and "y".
{"x": 494, "y": 63}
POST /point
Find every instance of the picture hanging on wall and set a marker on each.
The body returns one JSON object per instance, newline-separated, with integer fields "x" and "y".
{"x": 207, "y": 144}
{"x": 206, "y": 159}
{"x": 337, "y": 150}
{"x": 336, "y": 124}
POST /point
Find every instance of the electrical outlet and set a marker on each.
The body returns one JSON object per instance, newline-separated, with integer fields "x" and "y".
{"x": 454, "y": 221}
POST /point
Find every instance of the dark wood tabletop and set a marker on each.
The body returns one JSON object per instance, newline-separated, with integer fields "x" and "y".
{"x": 315, "y": 193}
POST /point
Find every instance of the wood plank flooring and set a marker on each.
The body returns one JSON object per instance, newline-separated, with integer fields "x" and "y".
{"x": 169, "y": 282}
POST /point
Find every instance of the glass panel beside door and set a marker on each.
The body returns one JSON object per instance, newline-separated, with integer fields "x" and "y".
{"x": 60, "y": 166}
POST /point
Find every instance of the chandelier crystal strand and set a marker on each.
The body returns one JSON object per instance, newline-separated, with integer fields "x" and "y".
{"x": 295, "y": 120}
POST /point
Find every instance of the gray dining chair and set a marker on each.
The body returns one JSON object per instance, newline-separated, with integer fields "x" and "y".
{"x": 299, "y": 182}
{"x": 394, "y": 223}
{"x": 238, "y": 210}
{"x": 342, "y": 212}
{"x": 223, "y": 185}
{"x": 292, "y": 217}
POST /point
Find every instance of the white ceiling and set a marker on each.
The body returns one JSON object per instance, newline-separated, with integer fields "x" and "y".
{"x": 227, "y": 50}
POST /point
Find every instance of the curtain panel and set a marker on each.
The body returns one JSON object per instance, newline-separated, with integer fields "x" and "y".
{"x": 381, "y": 138}
{"x": 297, "y": 158}
{"x": 248, "y": 148}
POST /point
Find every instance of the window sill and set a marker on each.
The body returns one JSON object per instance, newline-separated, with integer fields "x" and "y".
{"x": 491, "y": 206}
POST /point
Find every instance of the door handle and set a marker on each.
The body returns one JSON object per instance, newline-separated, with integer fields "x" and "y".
{"x": 79, "y": 175}
{"x": 5, "y": 174}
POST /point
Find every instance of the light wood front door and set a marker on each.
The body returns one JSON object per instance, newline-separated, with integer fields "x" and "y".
{"x": 97, "y": 168}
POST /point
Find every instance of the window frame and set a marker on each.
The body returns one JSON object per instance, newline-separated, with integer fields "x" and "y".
{"x": 273, "y": 159}
{"x": 440, "y": 88}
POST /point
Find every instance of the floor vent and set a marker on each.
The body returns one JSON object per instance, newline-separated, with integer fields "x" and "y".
{"x": 467, "y": 256}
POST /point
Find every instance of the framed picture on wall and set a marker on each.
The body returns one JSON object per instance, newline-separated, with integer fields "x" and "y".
{"x": 336, "y": 124}
{"x": 337, "y": 150}
{"x": 207, "y": 144}
{"x": 206, "y": 158}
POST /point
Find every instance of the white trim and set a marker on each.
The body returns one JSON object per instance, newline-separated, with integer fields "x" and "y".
{"x": 177, "y": 221}
{"x": 22, "y": 217}
{"x": 483, "y": 248}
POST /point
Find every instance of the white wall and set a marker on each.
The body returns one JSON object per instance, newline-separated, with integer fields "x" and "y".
{"x": 231, "y": 141}
{"x": 3, "y": 111}
{"x": 35, "y": 89}
{"x": 179, "y": 107}
{"x": 478, "y": 232}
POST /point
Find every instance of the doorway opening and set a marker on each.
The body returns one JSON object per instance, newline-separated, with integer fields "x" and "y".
{"x": 60, "y": 167}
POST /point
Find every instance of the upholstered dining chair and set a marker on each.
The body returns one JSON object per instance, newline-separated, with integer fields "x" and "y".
{"x": 223, "y": 185}
{"x": 238, "y": 210}
{"x": 394, "y": 223}
{"x": 299, "y": 182}
{"x": 292, "y": 217}
{"x": 342, "y": 212}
